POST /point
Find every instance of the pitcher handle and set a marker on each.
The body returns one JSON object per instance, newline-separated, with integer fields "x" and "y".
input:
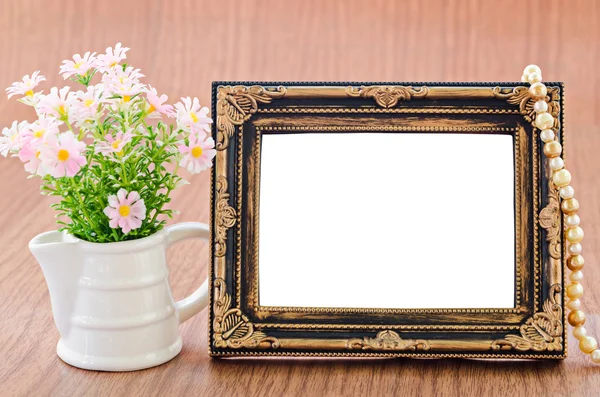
{"x": 198, "y": 300}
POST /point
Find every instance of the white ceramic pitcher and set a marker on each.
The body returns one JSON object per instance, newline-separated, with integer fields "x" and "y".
{"x": 112, "y": 303}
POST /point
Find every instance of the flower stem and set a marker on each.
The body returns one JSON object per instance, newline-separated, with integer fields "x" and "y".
{"x": 115, "y": 235}
{"x": 123, "y": 173}
{"x": 76, "y": 191}
{"x": 169, "y": 188}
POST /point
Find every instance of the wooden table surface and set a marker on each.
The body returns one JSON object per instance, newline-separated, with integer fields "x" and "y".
{"x": 182, "y": 46}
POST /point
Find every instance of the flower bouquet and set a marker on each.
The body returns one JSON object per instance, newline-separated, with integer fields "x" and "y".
{"x": 108, "y": 150}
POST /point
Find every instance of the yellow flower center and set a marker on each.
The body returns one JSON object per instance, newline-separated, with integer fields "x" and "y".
{"x": 62, "y": 110}
{"x": 38, "y": 134}
{"x": 113, "y": 64}
{"x": 77, "y": 65}
{"x": 126, "y": 98}
{"x": 63, "y": 155}
{"x": 29, "y": 93}
{"x": 124, "y": 210}
{"x": 151, "y": 109}
{"x": 88, "y": 102}
{"x": 115, "y": 144}
{"x": 37, "y": 154}
{"x": 197, "y": 151}
{"x": 194, "y": 117}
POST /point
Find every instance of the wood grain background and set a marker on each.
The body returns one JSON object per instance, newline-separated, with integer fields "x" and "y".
{"x": 182, "y": 46}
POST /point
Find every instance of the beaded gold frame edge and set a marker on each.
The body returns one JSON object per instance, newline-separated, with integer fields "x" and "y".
{"x": 232, "y": 328}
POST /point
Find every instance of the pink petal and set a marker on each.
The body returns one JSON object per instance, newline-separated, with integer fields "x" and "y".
{"x": 184, "y": 161}
{"x": 196, "y": 105}
{"x": 31, "y": 167}
{"x": 58, "y": 171}
{"x": 112, "y": 213}
{"x": 138, "y": 213}
{"x": 122, "y": 196}
{"x": 183, "y": 149}
{"x": 67, "y": 138}
{"x": 210, "y": 154}
{"x": 112, "y": 201}
{"x": 72, "y": 167}
{"x": 197, "y": 167}
{"x": 204, "y": 163}
{"x": 114, "y": 223}
{"x": 124, "y": 225}
{"x": 80, "y": 160}
{"x": 134, "y": 223}
{"x": 49, "y": 152}
{"x": 138, "y": 210}
{"x": 133, "y": 197}
{"x": 209, "y": 143}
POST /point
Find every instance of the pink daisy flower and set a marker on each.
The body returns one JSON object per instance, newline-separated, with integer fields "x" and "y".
{"x": 126, "y": 211}
{"x": 125, "y": 83}
{"x": 112, "y": 57}
{"x": 38, "y": 130}
{"x": 197, "y": 155}
{"x": 26, "y": 85}
{"x": 62, "y": 155}
{"x": 157, "y": 104}
{"x": 85, "y": 108}
{"x": 57, "y": 104}
{"x": 191, "y": 116}
{"x": 79, "y": 65}
{"x": 10, "y": 141}
{"x": 114, "y": 144}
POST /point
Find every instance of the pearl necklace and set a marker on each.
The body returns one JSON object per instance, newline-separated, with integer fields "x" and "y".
{"x": 561, "y": 178}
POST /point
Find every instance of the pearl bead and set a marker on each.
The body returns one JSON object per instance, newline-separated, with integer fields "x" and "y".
{"x": 576, "y": 263}
{"x": 552, "y": 149}
{"x": 574, "y": 290}
{"x": 576, "y": 276}
{"x": 538, "y": 90}
{"x": 575, "y": 249}
{"x": 540, "y": 106}
{"x": 561, "y": 178}
{"x": 534, "y": 78}
{"x": 587, "y": 344}
{"x": 529, "y": 69}
{"x": 543, "y": 121}
{"x": 524, "y": 79}
{"x": 547, "y": 135}
{"x": 596, "y": 356}
{"x": 576, "y": 318}
{"x": 566, "y": 192}
{"x": 572, "y": 220}
{"x": 557, "y": 163}
{"x": 574, "y": 304}
{"x": 575, "y": 234}
{"x": 579, "y": 332}
{"x": 570, "y": 206}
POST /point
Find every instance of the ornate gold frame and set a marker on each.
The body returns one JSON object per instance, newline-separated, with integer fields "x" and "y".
{"x": 238, "y": 325}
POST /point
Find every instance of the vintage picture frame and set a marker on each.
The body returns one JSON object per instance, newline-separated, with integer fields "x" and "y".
{"x": 238, "y": 325}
